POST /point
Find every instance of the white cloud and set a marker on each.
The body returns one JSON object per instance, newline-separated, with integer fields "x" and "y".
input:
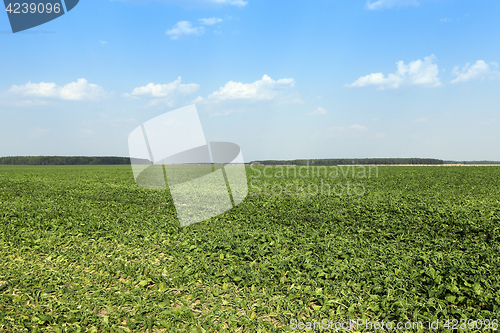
{"x": 421, "y": 73}
{"x": 184, "y": 28}
{"x": 421, "y": 120}
{"x": 41, "y": 89}
{"x": 381, "y": 4}
{"x": 210, "y": 21}
{"x": 81, "y": 90}
{"x": 198, "y": 99}
{"x": 445, "y": 20}
{"x": 164, "y": 93}
{"x": 263, "y": 89}
{"x": 380, "y": 135}
{"x": 76, "y": 91}
{"x": 479, "y": 70}
{"x": 164, "y": 90}
{"x": 103, "y": 42}
{"x": 319, "y": 110}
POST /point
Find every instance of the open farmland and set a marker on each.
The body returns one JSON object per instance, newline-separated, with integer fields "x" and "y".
{"x": 83, "y": 249}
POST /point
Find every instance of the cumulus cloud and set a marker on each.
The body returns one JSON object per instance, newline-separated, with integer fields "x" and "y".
{"x": 418, "y": 72}
{"x": 198, "y": 100}
{"x": 42, "y": 89}
{"x": 319, "y": 110}
{"x": 210, "y": 21}
{"x": 479, "y": 70}
{"x": 184, "y": 28}
{"x": 381, "y": 4}
{"x": 263, "y": 89}
{"x": 81, "y": 90}
{"x": 164, "y": 93}
{"x": 76, "y": 91}
{"x": 164, "y": 90}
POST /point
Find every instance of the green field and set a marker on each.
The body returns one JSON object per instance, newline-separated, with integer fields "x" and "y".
{"x": 83, "y": 249}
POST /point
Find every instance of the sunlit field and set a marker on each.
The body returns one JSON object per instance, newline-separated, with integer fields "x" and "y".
{"x": 84, "y": 249}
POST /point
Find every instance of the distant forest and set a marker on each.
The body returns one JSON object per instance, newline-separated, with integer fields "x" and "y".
{"x": 63, "y": 160}
{"x": 351, "y": 161}
{"x": 471, "y": 162}
{"x": 111, "y": 160}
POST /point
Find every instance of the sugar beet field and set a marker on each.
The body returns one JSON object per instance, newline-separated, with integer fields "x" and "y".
{"x": 83, "y": 249}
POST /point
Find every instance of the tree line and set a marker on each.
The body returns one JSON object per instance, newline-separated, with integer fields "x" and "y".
{"x": 353, "y": 161}
{"x": 63, "y": 160}
{"x": 112, "y": 160}
{"x": 471, "y": 162}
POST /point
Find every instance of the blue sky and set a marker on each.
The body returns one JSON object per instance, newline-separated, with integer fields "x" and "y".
{"x": 283, "y": 79}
